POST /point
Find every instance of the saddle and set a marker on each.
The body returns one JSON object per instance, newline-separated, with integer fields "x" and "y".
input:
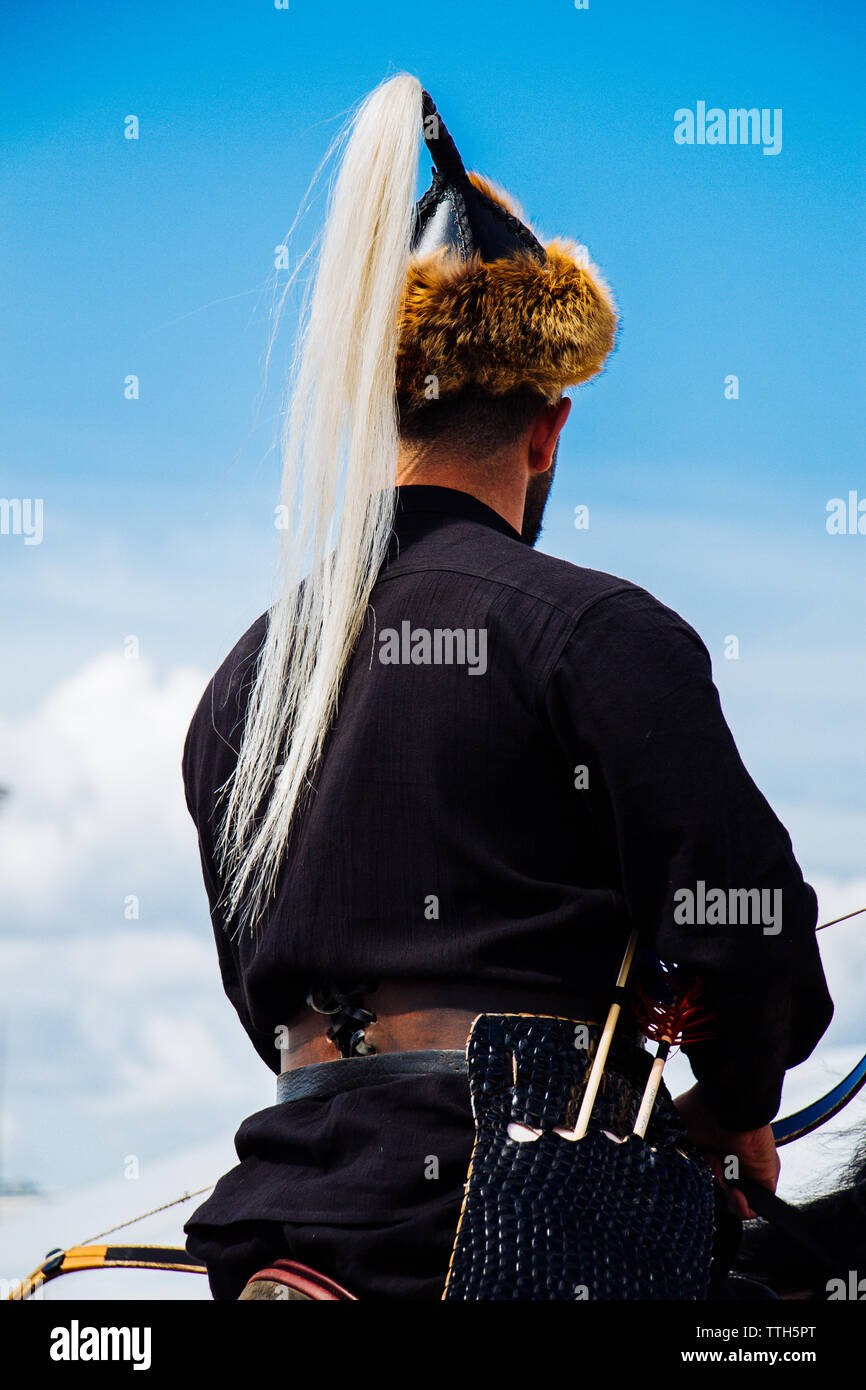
{"x": 289, "y": 1280}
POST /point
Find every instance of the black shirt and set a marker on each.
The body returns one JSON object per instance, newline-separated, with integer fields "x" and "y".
{"x": 505, "y": 818}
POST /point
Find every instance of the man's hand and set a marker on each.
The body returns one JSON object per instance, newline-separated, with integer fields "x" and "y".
{"x": 754, "y": 1148}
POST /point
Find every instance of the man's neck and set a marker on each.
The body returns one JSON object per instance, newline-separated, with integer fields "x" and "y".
{"x": 504, "y": 493}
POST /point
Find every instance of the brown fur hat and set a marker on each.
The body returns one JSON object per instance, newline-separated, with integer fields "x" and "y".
{"x": 503, "y": 324}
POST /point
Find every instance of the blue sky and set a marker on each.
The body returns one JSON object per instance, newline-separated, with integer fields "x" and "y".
{"x": 155, "y": 257}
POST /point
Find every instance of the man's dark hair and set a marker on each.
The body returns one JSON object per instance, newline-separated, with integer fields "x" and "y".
{"x": 470, "y": 421}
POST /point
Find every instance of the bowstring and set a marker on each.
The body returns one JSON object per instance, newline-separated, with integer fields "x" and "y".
{"x": 122, "y": 1227}
{"x": 856, "y": 913}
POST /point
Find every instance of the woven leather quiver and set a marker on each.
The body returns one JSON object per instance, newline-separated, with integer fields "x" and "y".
{"x": 561, "y": 1220}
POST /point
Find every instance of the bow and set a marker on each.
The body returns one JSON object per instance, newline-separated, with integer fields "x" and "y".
{"x": 812, "y": 1116}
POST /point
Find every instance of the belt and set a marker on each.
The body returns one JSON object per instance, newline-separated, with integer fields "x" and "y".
{"x": 420, "y": 1016}
{"x": 327, "y": 1079}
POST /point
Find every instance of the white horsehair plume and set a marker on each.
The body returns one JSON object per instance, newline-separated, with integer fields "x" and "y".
{"x": 339, "y": 449}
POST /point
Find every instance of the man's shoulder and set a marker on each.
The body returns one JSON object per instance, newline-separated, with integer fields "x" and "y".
{"x": 563, "y": 584}
{"x": 554, "y": 582}
{"x": 233, "y": 679}
{"x": 220, "y": 714}
{"x": 597, "y": 608}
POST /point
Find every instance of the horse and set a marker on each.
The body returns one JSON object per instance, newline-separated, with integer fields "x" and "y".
{"x": 772, "y": 1257}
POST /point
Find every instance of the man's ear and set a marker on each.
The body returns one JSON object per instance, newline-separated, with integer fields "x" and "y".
{"x": 545, "y": 434}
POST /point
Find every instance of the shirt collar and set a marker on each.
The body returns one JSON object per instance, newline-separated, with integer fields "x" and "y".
{"x": 425, "y": 497}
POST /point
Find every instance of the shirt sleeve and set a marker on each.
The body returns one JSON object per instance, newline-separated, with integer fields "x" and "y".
{"x": 632, "y": 698}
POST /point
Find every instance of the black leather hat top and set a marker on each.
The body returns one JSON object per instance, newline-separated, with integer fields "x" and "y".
{"x": 455, "y": 214}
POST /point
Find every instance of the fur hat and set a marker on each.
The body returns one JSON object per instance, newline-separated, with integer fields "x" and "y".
{"x": 486, "y": 303}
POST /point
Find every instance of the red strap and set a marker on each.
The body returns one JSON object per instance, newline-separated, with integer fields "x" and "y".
{"x": 307, "y": 1281}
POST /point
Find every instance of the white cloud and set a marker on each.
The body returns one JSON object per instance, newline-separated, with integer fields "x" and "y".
{"x": 118, "y": 1030}
{"x": 119, "y": 1043}
{"x": 96, "y": 811}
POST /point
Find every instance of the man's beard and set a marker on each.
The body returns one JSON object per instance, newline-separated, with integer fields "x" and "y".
{"x": 536, "y": 500}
